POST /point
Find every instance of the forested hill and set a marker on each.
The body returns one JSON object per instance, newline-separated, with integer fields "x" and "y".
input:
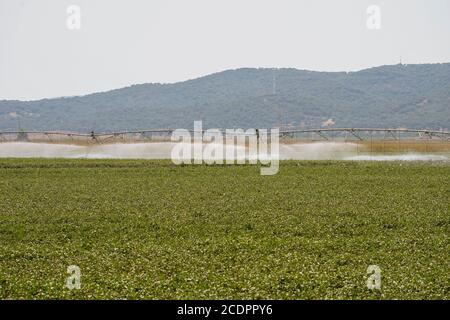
{"x": 415, "y": 96}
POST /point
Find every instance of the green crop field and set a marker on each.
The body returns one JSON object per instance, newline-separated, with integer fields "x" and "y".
{"x": 154, "y": 230}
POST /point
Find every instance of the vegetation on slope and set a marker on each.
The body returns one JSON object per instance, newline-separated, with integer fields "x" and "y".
{"x": 416, "y": 96}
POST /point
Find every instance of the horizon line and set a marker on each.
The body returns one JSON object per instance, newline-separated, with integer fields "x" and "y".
{"x": 219, "y": 72}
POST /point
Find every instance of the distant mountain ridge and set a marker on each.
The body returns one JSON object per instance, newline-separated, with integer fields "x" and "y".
{"x": 414, "y": 96}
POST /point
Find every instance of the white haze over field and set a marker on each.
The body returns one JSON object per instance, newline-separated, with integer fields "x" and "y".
{"x": 306, "y": 151}
{"x": 401, "y": 157}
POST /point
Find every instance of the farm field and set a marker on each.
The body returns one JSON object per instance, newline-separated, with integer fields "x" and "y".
{"x": 154, "y": 230}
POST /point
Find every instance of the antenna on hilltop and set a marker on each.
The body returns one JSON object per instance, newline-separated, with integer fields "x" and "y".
{"x": 277, "y": 107}
{"x": 19, "y": 126}
{"x": 274, "y": 84}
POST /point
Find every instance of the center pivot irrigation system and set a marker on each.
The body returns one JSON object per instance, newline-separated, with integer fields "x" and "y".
{"x": 323, "y": 134}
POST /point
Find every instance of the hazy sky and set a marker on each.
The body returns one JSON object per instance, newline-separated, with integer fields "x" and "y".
{"x": 123, "y": 42}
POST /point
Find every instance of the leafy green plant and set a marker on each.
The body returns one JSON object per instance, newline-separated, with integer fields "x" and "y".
{"x": 153, "y": 230}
